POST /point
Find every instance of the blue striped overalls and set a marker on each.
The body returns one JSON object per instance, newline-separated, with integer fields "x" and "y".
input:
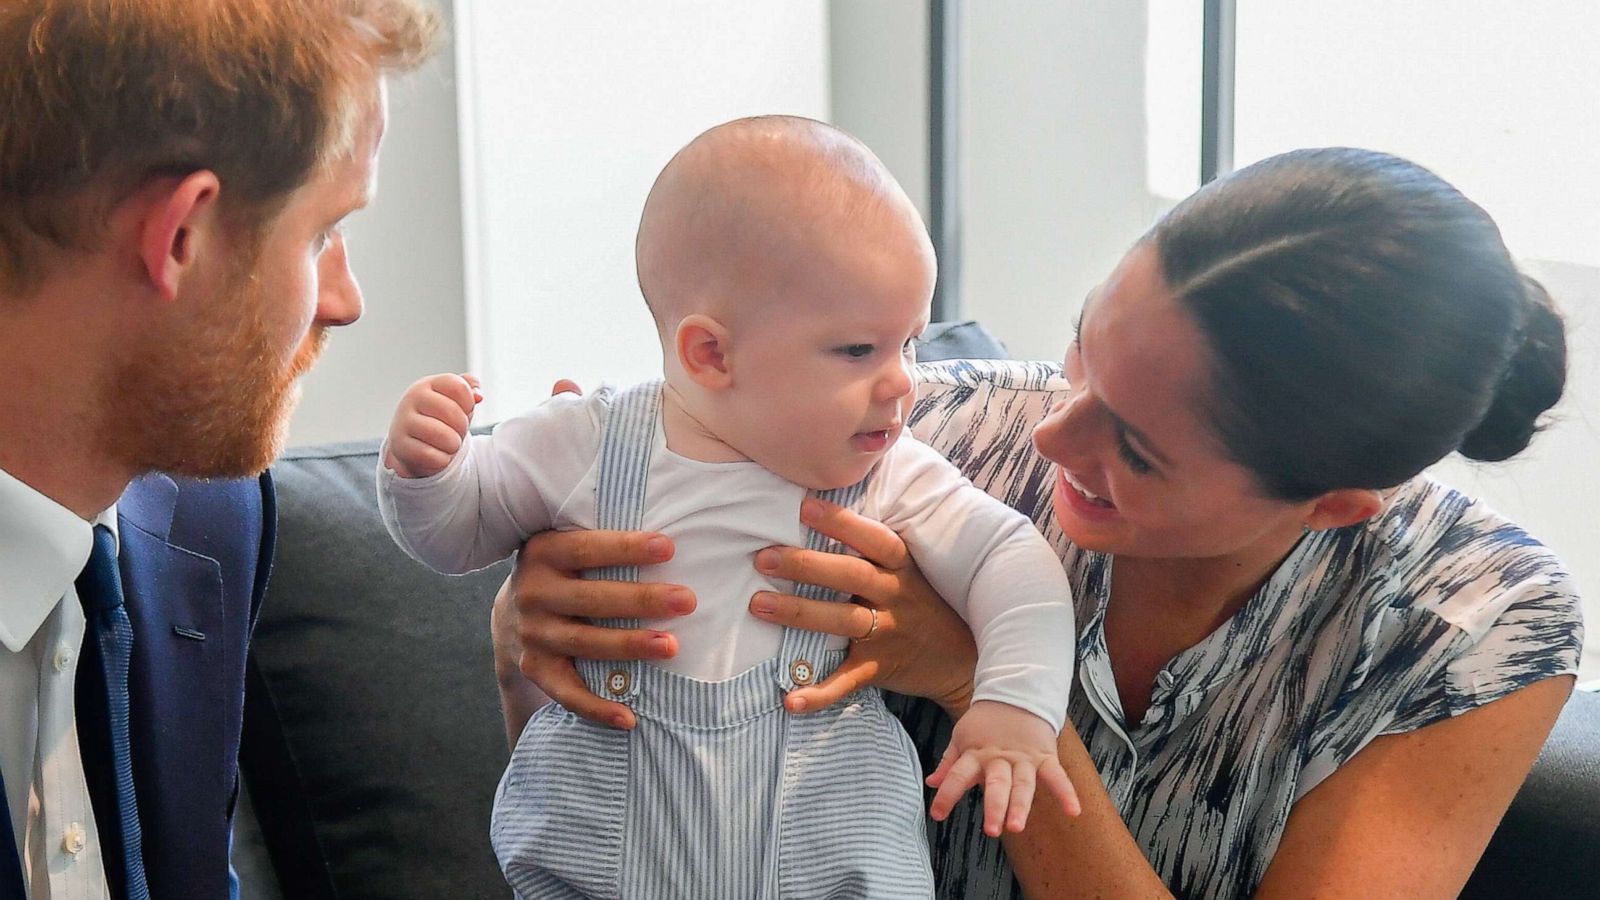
{"x": 718, "y": 793}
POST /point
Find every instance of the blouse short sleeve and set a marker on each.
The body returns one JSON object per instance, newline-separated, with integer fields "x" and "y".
{"x": 1516, "y": 617}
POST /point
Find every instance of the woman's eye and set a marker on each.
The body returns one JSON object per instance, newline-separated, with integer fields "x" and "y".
{"x": 856, "y": 351}
{"x": 1136, "y": 463}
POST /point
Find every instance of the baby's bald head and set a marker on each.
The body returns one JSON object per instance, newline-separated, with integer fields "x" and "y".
{"x": 730, "y": 220}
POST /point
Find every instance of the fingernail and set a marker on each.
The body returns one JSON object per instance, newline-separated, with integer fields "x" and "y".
{"x": 797, "y": 704}
{"x": 764, "y": 602}
{"x": 661, "y": 645}
{"x": 809, "y": 511}
{"x": 680, "y": 602}
{"x": 659, "y": 548}
{"x": 619, "y": 721}
{"x": 767, "y": 560}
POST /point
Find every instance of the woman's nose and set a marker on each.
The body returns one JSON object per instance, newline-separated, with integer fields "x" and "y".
{"x": 1068, "y": 430}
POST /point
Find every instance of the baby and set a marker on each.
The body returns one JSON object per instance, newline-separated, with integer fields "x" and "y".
{"x": 788, "y": 275}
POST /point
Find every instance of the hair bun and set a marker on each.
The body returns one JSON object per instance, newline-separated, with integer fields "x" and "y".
{"x": 1534, "y": 380}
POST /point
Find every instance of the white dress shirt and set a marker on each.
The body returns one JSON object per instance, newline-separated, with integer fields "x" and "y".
{"x": 43, "y": 548}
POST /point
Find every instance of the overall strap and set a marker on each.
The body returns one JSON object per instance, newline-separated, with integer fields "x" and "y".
{"x": 627, "y": 434}
{"x": 11, "y": 883}
{"x": 803, "y": 653}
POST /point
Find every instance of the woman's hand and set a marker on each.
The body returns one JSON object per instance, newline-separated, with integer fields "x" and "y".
{"x": 544, "y": 603}
{"x": 919, "y": 646}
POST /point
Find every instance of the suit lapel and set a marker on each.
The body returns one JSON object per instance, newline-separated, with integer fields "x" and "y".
{"x": 175, "y": 603}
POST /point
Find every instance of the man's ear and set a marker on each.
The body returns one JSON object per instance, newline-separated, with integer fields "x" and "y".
{"x": 173, "y": 231}
{"x": 702, "y": 346}
{"x": 1342, "y": 507}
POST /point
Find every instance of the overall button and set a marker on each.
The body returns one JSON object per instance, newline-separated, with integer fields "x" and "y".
{"x": 800, "y": 671}
{"x": 617, "y": 682}
{"x": 74, "y": 838}
{"x": 62, "y": 657}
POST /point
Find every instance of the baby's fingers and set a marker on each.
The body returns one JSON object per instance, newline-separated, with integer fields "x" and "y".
{"x": 996, "y": 794}
{"x": 945, "y": 762}
{"x": 1055, "y": 780}
{"x": 463, "y": 391}
{"x": 1022, "y": 787}
{"x": 962, "y": 775}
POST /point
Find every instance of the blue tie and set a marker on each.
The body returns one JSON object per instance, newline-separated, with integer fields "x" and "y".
{"x": 108, "y": 629}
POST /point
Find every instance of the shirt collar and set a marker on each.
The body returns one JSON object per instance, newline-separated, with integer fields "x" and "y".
{"x": 43, "y": 548}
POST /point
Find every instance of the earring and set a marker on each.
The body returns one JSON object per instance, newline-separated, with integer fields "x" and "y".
{"x": 1304, "y": 529}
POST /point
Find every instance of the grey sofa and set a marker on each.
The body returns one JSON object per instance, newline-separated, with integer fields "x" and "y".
{"x": 373, "y": 742}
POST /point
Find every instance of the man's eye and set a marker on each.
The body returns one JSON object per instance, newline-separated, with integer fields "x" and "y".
{"x": 856, "y": 351}
{"x": 325, "y": 239}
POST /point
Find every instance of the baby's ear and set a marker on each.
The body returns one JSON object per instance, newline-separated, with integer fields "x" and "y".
{"x": 702, "y": 346}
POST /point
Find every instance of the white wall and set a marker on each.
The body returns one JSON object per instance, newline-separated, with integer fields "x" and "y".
{"x": 407, "y": 253}
{"x": 574, "y": 110}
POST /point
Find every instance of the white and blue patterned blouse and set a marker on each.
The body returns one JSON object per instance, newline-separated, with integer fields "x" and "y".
{"x": 1433, "y": 607}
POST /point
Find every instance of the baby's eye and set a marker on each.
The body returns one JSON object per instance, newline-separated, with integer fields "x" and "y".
{"x": 856, "y": 351}
{"x": 909, "y": 345}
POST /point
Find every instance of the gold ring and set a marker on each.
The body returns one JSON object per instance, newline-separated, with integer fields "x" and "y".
{"x": 873, "y": 629}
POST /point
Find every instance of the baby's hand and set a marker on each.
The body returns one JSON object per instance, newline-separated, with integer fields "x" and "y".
{"x": 1007, "y": 749}
{"x": 430, "y": 424}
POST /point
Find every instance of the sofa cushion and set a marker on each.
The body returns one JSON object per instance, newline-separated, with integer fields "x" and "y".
{"x": 373, "y": 741}
{"x": 1548, "y": 845}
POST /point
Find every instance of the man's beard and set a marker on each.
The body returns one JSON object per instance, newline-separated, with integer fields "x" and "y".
{"x": 213, "y": 401}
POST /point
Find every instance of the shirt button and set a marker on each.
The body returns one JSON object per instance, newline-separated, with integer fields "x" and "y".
{"x": 74, "y": 838}
{"x": 801, "y": 672}
{"x": 63, "y": 656}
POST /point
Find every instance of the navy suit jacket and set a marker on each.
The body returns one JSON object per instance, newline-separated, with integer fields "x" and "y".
{"x": 194, "y": 558}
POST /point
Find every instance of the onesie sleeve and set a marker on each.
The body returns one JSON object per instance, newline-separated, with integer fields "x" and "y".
{"x": 502, "y": 488}
{"x": 994, "y": 568}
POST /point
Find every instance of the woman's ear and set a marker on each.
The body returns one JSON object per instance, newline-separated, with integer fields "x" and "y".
{"x": 1342, "y": 507}
{"x": 702, "y": 346}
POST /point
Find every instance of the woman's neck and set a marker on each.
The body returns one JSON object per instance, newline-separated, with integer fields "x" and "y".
{"x": 1161, "y": 607}
{"x": 1206, "y": 591}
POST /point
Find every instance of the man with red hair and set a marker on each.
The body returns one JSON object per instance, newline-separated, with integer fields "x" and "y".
{"x": 172, "y": 179}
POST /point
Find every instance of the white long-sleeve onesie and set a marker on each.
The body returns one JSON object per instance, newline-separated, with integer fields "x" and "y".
{"x": 537, "y": 471}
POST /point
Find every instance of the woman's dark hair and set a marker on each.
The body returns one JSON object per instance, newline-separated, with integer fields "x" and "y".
{"x": 1364, "y": 320}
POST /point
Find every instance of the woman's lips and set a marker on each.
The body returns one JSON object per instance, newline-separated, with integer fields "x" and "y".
{"x": 1081, "y": 500}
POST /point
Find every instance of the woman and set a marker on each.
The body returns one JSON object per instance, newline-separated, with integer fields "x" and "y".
{"x": 1316, "y": 671}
